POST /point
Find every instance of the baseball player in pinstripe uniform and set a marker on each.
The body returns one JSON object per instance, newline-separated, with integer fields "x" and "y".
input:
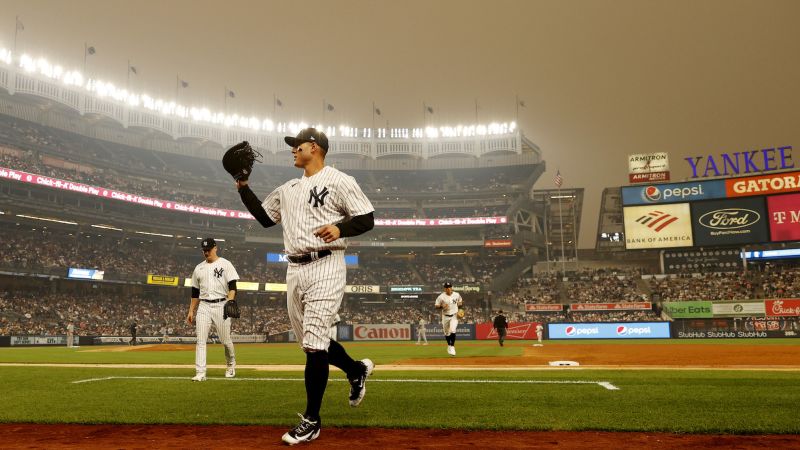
{"x": 213, "y": 284}
{"x": 449, "y": 301}
{"x": 318, "y": 212}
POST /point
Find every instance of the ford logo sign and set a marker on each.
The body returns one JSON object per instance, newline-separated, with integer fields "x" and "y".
{"x": 729, "y": 218}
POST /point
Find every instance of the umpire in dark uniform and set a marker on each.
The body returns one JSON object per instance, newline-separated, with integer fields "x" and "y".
{"x": 501, "y": 325}
{"x": 133, "y": 333}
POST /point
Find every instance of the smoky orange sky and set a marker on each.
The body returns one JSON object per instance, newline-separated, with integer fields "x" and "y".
{"x": 600, "y": 79}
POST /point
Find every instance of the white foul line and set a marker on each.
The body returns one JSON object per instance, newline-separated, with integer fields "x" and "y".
{"x": 604, "y": 384}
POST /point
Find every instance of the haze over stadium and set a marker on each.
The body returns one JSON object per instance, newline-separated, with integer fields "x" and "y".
{"x": 487, "y": 200}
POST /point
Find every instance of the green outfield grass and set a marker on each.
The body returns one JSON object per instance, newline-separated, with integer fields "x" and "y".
{"x": 696, "y": 401}
{"x": 675, "y": 401}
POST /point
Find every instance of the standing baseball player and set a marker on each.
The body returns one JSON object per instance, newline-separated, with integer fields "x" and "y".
{"x": 501, "y": 325}
{"x": 539, "y": 331}
{"x": 421, "y": 331}
{"x": 70, "y": 334}
{"x": 213, "y": 285}
{"x": 133, "y": 329}
{"x": 318, "y": 211}
{"x": 449, "y": 301}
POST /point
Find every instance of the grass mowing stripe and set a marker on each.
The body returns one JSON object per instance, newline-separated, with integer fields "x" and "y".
{"x": 605, "y": 384}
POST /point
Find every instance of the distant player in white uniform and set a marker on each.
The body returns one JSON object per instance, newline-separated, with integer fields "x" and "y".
{"x": 449, "y": 301}
{"x": 421, "y": 331}
{"x": 317, "y": 211}
{"x": 213, "y": 284}
{"x": 70, "y": 335}
{"x": 539, "y": 331}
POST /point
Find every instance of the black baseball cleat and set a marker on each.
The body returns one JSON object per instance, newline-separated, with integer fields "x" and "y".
{"x": 358, "y": 385}
{"x": 306, "y": 431}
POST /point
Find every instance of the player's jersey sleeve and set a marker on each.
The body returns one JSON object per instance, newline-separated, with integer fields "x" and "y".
{"x": 351, "y": 200}
{"x": 232, "y": 274}
{"x": 439, "y": 300}
{"x": 196, "y": 277}
{"x": 272, "y": 204}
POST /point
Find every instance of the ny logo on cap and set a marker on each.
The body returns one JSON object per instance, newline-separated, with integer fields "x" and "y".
{"x": 218, "y": 272}
{"x": 318, "y": 197}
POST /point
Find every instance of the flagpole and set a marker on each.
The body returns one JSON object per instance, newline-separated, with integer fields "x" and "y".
{"x": 16, "y": 30}
{"x": 546, "y": 236}
{"x": 85, "y": 54}
{"x": 373, "y": 116}
{"x": 424, "y": 114}
{"x": 516, "y": 103}
{"x": 226, "y": 100}
{"x": 177, "y": 81}
{"x": 476, "y": 110}
{"x": 274, "y": 107}
{"x": 128, "y": 82}
{"x": 561, "y": 227}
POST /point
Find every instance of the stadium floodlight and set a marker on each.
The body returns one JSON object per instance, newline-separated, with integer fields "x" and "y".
{"x": 153, "y": 234}
{"x": 47, "y": 219}
{"x": 106, "y": 227}
{"x": 5, "y": 56}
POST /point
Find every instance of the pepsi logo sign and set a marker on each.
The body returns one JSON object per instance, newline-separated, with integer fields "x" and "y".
{"x": 621, "y": 330}
{"x": 570, "y": 331}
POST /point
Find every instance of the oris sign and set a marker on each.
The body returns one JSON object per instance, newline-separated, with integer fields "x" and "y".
{"x": 381, "y": 332}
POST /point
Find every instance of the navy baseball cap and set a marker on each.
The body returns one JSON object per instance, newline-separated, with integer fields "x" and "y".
{"x": 308, "y": 135}
{"x": 447, "y": 285}
{"x": 208, "y": 243}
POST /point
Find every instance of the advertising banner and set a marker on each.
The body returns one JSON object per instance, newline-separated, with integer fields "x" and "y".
{"x": 726, "y": 328}
{"x": 648, "y": 167}
{"x": 729, "y": 222}
{"x": 784, "y": 217}
{"x": 534, "y": 307}
{"x": 695, "y": 261}
{"x": 782, "y": 307}
{"x": 440, "y": 222}
{"x": 621, "y": 306}
{"x": 246, "y": 286}
{"x": 406, "y": 289}
{"x": 688, "y": 310}
{"x": 632, "y": 330}
{"x": 344, "y": 332}
{"x": 465, "y": 288}
{"x": 497, "y": 243}
{"x": 434, "y": 331}
{"x": 516, "y": 330}
{"x": 381, "y": 332}
{"x": 661, "y": 226}
{"x": 777, "y": 183}
{"x": 85, "y": 274}
{"x": 362, "y": 289}
{"x": 275, "y": 287}
{"x": 162, "y": 280}
{"x": 41, "y": 340}
{"x": 672, "y": 192}
{"x": 738, "y": 309}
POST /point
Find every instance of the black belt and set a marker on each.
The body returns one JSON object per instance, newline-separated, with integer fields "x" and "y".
{"x": 449, "y": 315}
{"x": 216, "y": 300}
{"x": 309, "y": 257}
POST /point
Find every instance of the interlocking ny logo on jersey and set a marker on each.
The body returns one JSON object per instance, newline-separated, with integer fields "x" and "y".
{"x": 657, "y": 220}
{"x": 218, "y": 272}
{"x": 318, "y": 197}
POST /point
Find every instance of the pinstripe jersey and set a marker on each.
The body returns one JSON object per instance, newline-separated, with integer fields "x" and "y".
{"x": 303, "y": 205}
{"x": 450, "y": 302}
{"x": 212, "y": 278}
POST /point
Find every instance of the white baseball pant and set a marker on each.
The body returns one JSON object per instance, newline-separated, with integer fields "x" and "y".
{"x": 449, "y": 324}
{"x": 314, "y": 295}
{"x": 211, "y": 314}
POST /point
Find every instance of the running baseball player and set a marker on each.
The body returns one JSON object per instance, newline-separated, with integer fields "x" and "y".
{"x": 318, "y": 211}
{"x": 213, "y": 285}
{"x": 421, "y": 331}
{"x": 449, "y": 301}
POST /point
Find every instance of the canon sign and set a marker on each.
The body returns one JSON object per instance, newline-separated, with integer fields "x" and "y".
{"x": 381, "y": 332}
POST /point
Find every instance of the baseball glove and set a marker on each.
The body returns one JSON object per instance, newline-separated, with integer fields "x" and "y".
{"x": 239, "y": 159}
{"x": 231, "y": 310}
{"x": 460, "y": 314}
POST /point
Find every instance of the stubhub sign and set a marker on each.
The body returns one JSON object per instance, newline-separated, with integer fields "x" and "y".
{"x": 628, "y": 330}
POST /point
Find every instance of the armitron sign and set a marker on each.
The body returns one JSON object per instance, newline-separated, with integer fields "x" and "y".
{"x": 381, "y": 332}
{"x": 648, "y": 168}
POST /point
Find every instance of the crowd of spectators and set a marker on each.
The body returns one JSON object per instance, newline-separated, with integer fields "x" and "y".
{"x": 602, "y": 287}
{"x": 707, "y": 286}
